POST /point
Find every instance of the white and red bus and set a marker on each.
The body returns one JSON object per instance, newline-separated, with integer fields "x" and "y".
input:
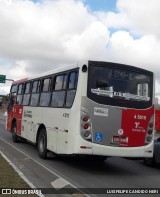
{"x": 91, "y": 108}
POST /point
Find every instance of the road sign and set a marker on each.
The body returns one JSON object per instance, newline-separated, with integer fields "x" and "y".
{"x": 2, "y": 78}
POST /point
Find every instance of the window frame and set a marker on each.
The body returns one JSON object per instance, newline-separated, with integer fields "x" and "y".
{"x": 76, "y": 71}
{"x": 49, "y": 90}
{"x": 28, "y": 93}
{"x": 38, "y": 91}
{"x": 66, "y": 89}
{"x": 22, "y": 93}
{"x": 119, "y": 102}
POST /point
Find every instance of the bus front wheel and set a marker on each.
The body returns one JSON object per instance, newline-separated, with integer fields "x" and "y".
{"x": 14, "y": 133}
{"x": 42, "y": 144}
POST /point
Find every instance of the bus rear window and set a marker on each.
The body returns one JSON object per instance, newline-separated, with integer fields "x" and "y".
{"x": 107, "y": 84}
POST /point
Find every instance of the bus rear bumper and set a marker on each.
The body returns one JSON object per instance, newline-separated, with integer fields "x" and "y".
{"x": 85, "y": 147}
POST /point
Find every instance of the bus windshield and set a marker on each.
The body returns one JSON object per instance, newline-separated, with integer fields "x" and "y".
{"x": 116, "y": 83}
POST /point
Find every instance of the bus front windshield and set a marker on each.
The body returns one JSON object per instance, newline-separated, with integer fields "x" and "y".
{"x": 113, "y": 83}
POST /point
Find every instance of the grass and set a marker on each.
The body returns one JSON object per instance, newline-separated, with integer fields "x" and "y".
{"x": 9, "y": 178}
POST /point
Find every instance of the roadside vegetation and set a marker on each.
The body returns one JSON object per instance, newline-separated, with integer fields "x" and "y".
{"x": 10, "y": 179}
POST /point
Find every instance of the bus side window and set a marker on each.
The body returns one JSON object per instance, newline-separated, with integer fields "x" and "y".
{"x": 46, "y": 92}
{"x": 35, "y": 93}
{"x": 27, "y": 94}
{"x": 59, "y": 90}
{"x": 71, "y": 90}
{"x": 19, "y": 94}
{"x": 60, "y": 82}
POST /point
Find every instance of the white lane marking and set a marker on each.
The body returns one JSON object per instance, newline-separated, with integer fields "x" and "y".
{"x": 51, "y": 171}
{"x": 59, "y": 183}
{"x": 20, "y": 173}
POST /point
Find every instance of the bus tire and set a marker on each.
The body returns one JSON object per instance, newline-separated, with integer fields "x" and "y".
{"x": 42, "y": 144}
{"x": 14, "y": 133}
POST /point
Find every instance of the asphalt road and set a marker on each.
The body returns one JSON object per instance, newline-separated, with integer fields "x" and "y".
{"x": 67, "y": 172}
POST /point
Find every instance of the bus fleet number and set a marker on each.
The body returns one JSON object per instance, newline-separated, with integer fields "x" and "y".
{"x": 140, "y": 117}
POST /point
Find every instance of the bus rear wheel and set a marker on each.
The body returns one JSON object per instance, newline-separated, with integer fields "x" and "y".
{"x": 14, "y": 133}
{"x": 42, "y": 144}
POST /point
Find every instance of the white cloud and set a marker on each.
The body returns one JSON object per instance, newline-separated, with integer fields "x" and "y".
{"x": 91, "y": 43}
{"x": 143, "y": 52}
{"x": 36, "y": 37}
{"x": 38, "y": 31}
{"x": 114, "y": 20}
{"x": 143, "y": 15}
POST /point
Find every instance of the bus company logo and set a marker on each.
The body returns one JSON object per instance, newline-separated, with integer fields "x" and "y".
{"x": 137, "y": 124}
{"x": 28, "y": 114}
{"x": 138, "y": 128}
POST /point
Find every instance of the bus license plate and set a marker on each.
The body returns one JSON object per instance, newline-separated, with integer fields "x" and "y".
{"x": 120, "y": 139}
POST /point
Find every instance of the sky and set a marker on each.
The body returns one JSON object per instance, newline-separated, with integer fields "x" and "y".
{"x": 40, "y": 35}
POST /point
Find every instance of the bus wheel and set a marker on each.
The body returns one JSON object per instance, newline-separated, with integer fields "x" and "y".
{"x": 42, "y": 144}
{"x": 14, "y": 133}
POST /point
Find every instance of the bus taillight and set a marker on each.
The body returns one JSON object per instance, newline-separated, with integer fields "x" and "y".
{"x": 150, "y": 131}
{"x": 86, "y": 126}
{"x": 149, "y": 139}
{"x": 87, "y": 135}
{"x": 85, "y": 118}
{"x": 151, "y": 124}
{"x": 149, "y": 134}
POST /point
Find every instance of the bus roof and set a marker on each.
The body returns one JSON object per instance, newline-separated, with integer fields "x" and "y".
{"x": 54, "y": 71}
{"x": 70, "y": 67}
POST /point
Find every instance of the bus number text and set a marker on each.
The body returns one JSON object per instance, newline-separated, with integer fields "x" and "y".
{"x": 139, "y": 117}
